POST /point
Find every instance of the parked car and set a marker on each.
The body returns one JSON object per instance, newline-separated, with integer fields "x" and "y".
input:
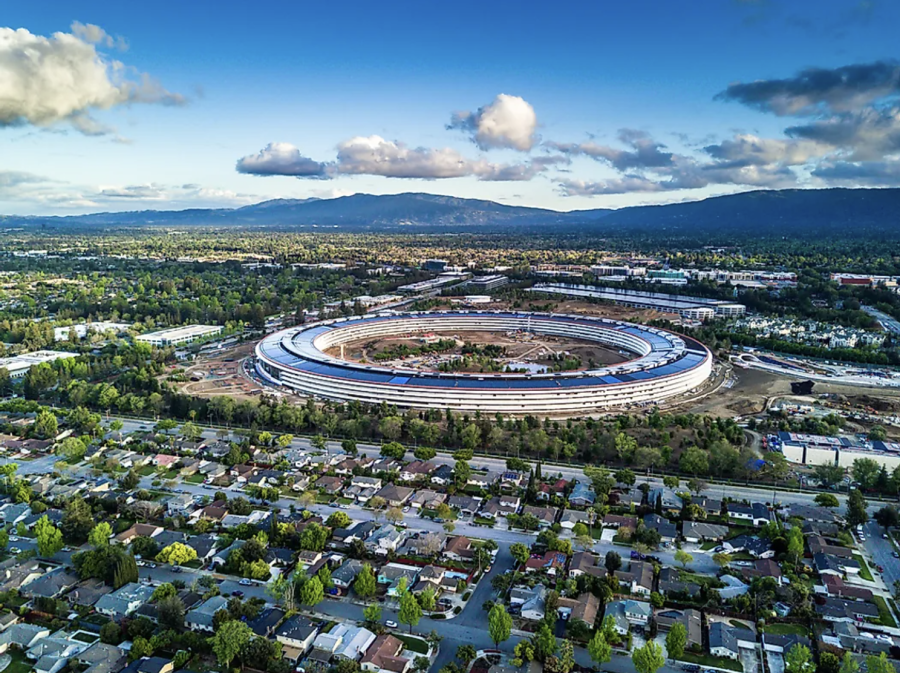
{"x": 391, "y": 624}
{"x": 245, "y": 582}
{"x": 237, "y": 594}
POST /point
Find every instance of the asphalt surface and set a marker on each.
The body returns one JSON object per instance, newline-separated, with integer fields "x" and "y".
{"x": 881, "y": 551}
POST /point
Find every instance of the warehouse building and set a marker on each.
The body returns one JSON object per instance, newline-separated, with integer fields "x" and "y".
{"x": 488, "y": 283}
{"x": 18, "y": 365}
{"x": 693, "y": 308}
{"x": 178, "y": 336}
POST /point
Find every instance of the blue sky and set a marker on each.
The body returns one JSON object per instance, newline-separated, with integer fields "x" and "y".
{"x": 588, "y": 105}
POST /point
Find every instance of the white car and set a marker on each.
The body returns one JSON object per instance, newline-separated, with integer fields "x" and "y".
{"x": 391, "y": 624}
{"x": 245, "y": 582}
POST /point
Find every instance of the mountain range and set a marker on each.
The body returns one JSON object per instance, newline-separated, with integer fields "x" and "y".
{"x": 858, "y": 212}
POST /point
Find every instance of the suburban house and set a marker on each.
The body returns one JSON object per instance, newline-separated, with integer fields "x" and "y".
{"x": 728, "y": 641}
{"x": 201, "y": 617}
{"x": 692, "y": 620}
{"x": 570, "y": 517}
{"x": 582, "y": 495}
{"x": 459, "y": 548}
{"x": 345, "y": 642}
{"x": 395, "y": 496}
{"x": 584, "y": 608}
{"x": 546, "y": 516}
{"x": 585, "y": 563}
{"x": 384, "y": 655}
{"x": 638, "y": 578}
{"x": 753, "y": 545}
{"x": 700, "y": 531}
{"x": 296, "y": 636}
{"x": 124, "y": 601}
{"x": 552, "y": 562}
{"x": 666, "y": 529}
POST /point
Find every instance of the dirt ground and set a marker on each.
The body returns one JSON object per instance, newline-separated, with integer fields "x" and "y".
{"x": 220, "y": 374}
{"x": 520, "y": 347}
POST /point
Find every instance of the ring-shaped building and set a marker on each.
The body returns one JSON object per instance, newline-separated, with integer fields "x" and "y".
{"x": 664, "y": 364}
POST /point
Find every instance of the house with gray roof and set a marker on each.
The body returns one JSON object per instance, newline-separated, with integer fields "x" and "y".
{"x": 201, "y": 617}
{"x": 125, "y": 600}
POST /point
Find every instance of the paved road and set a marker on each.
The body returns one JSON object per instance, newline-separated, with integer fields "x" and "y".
{"x": 881, "y": 551}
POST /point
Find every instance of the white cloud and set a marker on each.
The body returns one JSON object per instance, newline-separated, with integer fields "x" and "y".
{"x": 374, "y": 155}
{"x": 281, "y": 159}
{"x": 750, "y": 150}
{"x": 96, "y": 35}
{"x": 507, "y": 122}
{"x": 62, "y": 78}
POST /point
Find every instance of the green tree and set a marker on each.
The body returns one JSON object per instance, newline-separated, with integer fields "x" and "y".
{"x": 827, "y": 500}
{"x": 520, "y": 552}
{"x": 365, "y": 584}
{"x": 170, "y": 612}
{"x": 683, "y": 558}
{"x": 856, "y": 508}
{"x": 78, "y": 521}
{"x": 564, "y": 660}
{"x": 878, "y": 664}
{"x": 424, "y": 453}
{"x": 865, "y": 471}
{"x": 46, "y": 425}
{"x": 849, "y": 664}
{"x": 372, "y": 613}
{"x": 410, "y": 611}
{"x": 599, "y": 649}
{"x": 722, "y": 559}
{"x": 140, "y": 648}
{"x": 177, "y": 553}
{"x": 338, "y": 520}
{"x": 164, "y": 590}
{"x": 231, "y": 638}
{"x": 99, "y": 535}
{"x": 828, "y": 663}
{"x": 111, "y": 633}
{"x": 72, "y": 449}
{"x": 312, "y": 592}
{"x": 649, "y": 658}
{"x": 676, "y": 640}
{"x": 499, "y": 624}
{"x": 49, "y": 537}
{"x": 798, "y": 659}
{"x": 544, "y": 643}
{"x": 466, "y": 654}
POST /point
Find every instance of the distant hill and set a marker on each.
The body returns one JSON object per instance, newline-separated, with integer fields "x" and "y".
{"x": 789, "y": 213}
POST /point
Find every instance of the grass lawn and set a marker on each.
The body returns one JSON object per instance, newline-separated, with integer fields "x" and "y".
{"x": 884, "y": 612}
{"x": 194, "y": 479}
{"x": 85, "y": 637}
{"x": 147, "y": 470}
{"x": 483, "y": 522}
{"x": 323, "y": 499}
{"x": 412, "y": 643}
{"x": 739, "y": 625}
{"x": 787, "y": 629}
{"x": 19, "y": 663}
{"x": 345, "y": 501}
{"x": 710, "y": 660}
{"x": 706, "y": 546}
{"x": 864, "y": 572}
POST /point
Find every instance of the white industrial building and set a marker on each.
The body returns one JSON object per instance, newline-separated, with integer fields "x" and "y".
{"x": 18, "y": 365}
{"x": 83, "y": 329}
{"x": 177, "y": 336}
{"x": 693, "y": 308}
{"x": 488, "y": 283}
